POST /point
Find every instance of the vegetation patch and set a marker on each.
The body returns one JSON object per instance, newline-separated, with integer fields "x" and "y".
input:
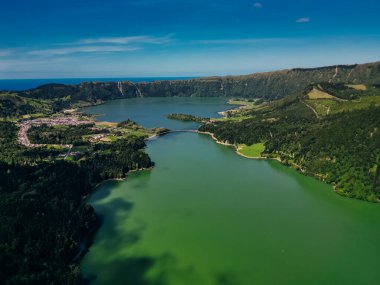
{"x": 186, "y": 118}
{"x": 253, "y": 151}
{"x": 105, "y": 124}
{"x": 349, "y": 91}
{"x": 234, "y": 118}
{"x": 14, "y": 106}
{"x": 243, "y": 102}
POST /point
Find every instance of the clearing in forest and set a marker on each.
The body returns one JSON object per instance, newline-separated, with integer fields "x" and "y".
{"x": 318, "y": 94}
{"x": 360, "y": 87}
{"x": 253, "y": 151}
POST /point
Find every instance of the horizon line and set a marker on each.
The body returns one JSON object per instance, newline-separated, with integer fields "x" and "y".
{"x": 195, "y": 76}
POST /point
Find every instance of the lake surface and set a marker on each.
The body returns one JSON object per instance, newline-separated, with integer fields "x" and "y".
{"x": 205, "y": 215}
{"x": 152, "y": 112}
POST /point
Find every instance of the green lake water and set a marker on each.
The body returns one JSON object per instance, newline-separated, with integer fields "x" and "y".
{"x": 205, "y": 215}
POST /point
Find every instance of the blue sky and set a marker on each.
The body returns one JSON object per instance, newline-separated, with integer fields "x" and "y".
{"x": 134, "y": 38}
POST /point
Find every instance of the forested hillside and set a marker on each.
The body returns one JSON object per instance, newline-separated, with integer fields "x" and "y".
{"x": 341, "y": 147}
{"x": 12, "y": 105}
{"x": 43, "y": 217}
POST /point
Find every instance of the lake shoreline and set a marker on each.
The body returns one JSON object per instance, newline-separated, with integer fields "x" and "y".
{"x": 236, "y": 149}
{"x": 293, "y": 166}
{"x": 87, "y": 240}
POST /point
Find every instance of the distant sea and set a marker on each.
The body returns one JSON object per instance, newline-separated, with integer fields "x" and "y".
{"x": 23, "y": 84}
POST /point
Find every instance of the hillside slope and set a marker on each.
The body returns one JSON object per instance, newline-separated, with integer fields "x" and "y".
{"x": 12, "y": 105}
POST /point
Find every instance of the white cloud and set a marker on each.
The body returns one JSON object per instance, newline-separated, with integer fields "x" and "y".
{"x": 303, "y": 20}
{"x": 239, "y": 41}
{"x": 81, "y": 49}
{"x": 93, "y": 45}
{"x": 128, "y": 40}
{"x": 258, "y": 5}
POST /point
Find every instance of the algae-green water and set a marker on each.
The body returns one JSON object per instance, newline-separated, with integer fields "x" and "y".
{"x": 205, "y": 215}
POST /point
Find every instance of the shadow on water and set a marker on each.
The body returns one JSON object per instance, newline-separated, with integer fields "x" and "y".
{"x": 116, "y": 205}
{"x": 127, "y": 271}
{"x": 131, "y": 271}
{"x": 226, "y": 278}
{"x": 140, "y": 179}
{"x": 112, "y": 212}
{"x": 136, "y": 271}
{"x": 103, "y": 190}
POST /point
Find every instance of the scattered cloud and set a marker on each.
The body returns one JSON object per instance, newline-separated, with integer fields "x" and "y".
{"x": 257, "y": 5}
{"x": 5, "y": 52}
{"x": 128, "y": 40}
{"x": 239, "y": 41}
{"x": 89, "y": 45}
{"x": 303, "y": 20}
{"x": 81, "y": 49}
{"x": 19, "y": 64}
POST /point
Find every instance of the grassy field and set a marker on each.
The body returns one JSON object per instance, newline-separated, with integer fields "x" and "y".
{"x": 360, "y": 87}
{"x": 318, "y": 94}
{"x": 241, "y": 103}
{"x": 237, "y": 118}
{"x": 55, "y": 147}
{"x": 106, "y": 125}
{"x": 253, "y": 151}
{"x": 108, "y": 139}
{"x": 140, "y": 133}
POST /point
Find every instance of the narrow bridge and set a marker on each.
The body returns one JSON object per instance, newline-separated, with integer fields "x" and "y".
{"x": 180, "y": 131}
{"x": 171, "y": 131}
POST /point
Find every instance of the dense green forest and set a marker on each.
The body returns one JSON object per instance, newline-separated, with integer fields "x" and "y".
{"x": 341, "y": 148}
{"x": 186, "y": 118}
{"x": 43, "y": 218}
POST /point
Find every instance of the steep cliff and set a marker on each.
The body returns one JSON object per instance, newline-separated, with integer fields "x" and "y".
{"x": 269, "y": 85}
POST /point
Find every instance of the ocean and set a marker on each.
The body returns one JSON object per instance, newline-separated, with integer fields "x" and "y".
{"x": 23, "y": 84}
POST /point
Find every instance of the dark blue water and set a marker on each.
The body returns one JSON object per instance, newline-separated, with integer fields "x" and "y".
{"x": 23, "y": 84}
